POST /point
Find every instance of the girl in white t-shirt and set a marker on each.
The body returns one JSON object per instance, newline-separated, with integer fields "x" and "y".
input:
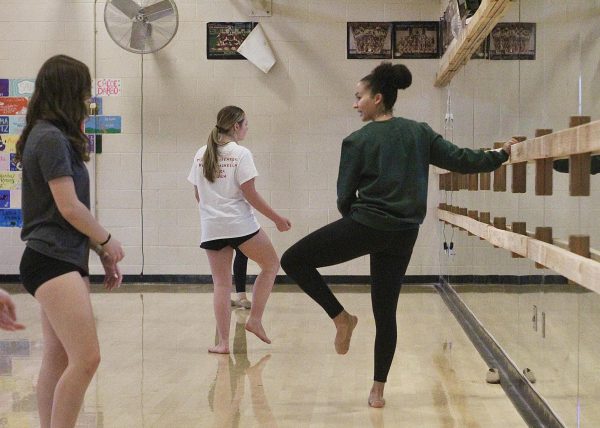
{"x": 223, "y": 176}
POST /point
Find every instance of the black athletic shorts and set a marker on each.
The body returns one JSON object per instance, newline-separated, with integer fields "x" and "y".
{"x": 37, "y": 268}
{"x": 219, "y": 244}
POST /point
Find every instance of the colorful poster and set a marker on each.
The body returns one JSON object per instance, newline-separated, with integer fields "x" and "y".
{"x": 10, "y": 180}
{"x": 91, "y": 143}
{"x": 14, "y": 165}
{"x": 15, "y": 198}
{"x": 8, "y": 143}
{"x": 21, "y": 87}
{"x": 224, "y": 38}
{"x": 95, "y": 106}
{"x": 4, "y": 198}
{"x": 4, "y": 125}
{"x": 4, "y": 161}
{"x": 15, "y": 348}
{"x": 4, "y": 87}
{"x": 108, "y": 87}
{"x": 103, "y": 125}
{"x": 13, "y": 105}
{"x": 10, "y": 218}
{"x": 17, "y": 124}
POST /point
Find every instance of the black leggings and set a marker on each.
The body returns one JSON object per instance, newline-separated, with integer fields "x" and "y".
{"x": 345, "y": 240}
{"x": 240, "y": 266}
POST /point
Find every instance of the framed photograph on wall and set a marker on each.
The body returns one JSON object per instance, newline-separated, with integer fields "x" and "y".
{"x": 417, "y": 39}
{"x": 224, "y": 38}
{"x": 512, "y": 40}
{"x": 371, "y": 40}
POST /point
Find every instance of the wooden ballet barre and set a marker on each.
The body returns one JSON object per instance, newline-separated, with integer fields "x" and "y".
{"x": 461, "y": 48}
{"x": 582, "y": 270}
{"x": 561, "y": 144}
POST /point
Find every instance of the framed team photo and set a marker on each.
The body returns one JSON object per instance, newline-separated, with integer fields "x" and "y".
{"x": 417, "y": 39}
{"x": 224, "y": 38}
{"x": 372, "y": 40}
{"x": 512, "y": 40}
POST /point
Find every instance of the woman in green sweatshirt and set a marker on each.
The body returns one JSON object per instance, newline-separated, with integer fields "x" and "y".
{"x": 382, "y": 196}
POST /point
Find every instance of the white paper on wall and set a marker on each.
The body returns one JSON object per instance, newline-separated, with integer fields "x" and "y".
{"x": 257, "y": 50}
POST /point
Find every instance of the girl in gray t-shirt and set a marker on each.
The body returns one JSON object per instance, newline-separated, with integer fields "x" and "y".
{"x": 59, "y": 229}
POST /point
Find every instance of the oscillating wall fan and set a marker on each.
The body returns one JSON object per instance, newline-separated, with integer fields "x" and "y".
{"x": 141, "y": 26}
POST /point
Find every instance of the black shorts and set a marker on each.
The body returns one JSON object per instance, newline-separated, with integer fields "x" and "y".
{"x": 219, "y": 244}
{"x": 37, "y": 268}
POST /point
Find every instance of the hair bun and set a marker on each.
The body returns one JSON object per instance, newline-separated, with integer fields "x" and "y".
{"x": 397, "y": 75}
{"x": 402, "y": 76}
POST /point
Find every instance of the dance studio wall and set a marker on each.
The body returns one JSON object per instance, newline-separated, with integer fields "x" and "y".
{"x": 298, "y": 115}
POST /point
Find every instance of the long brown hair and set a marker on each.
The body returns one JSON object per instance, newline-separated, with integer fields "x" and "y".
{"x": 61, "y": 88}
{"x": 226, "y": 119}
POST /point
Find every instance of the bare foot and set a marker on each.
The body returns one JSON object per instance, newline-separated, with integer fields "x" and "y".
{"x": 256, "y": 327}
{"x": 219, "y": 349}
{"x": 376, "y": 399}
{"x": 345, "y": 324}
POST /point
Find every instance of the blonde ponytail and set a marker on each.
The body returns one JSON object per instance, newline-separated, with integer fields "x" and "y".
{"x": 226, "y": 119}
{"x": 210, "y": 160}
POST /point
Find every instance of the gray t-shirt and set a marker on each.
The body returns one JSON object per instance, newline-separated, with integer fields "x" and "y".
{"x": 48, "y": 155}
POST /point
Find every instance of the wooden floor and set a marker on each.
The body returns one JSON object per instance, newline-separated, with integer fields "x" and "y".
{"x": 155, "y": 370}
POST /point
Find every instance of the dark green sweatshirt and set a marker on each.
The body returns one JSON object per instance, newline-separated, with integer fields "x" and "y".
{"x": 384, "y": 169}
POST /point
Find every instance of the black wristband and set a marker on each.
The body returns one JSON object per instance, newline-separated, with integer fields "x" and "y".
{"x": 107, "y": 239}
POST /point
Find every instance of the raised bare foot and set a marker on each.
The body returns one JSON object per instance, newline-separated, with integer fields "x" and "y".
{"x": 254, "y": 326}
{"x": 345, "y": 324}
{"x": 376, "y": 400}
{"x": 219, "y": 349}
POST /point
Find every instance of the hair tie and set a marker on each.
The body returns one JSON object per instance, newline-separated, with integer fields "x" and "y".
{"x": 221, "y": 130}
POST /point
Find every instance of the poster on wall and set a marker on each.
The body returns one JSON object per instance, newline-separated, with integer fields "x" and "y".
{"x": 4, "y": 87}
{"x": 108, "y": 87}
{"x": 21, "y": 87}
{"x": 14, "y": 99}
{"x": 10, "y": 218}
{"x": 224, "y": 38}
{"x": 512, "y": 40}
{"x": 369, "y": 40}
{"x": 13, "y": 105}
{"x": 416, "y": 39}
{"x": 103, "y": 125}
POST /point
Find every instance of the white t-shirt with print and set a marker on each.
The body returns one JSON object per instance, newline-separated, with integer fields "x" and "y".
{"x": 224, "y": 212}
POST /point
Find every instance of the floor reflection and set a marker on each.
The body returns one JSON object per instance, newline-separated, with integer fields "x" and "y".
{"x": 228, "y": 388}
{"x": 156, "y": 372}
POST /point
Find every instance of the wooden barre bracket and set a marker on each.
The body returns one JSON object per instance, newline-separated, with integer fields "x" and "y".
{"x": 519, "y": 173}
{"x": 543, "y": 234}
{"x": 500, "y": 174}
{"x": 543, "y": 170}
{"x": 485, "y": 179}
{"x": 519, "y": 227}
{"x": 580, "y": 165}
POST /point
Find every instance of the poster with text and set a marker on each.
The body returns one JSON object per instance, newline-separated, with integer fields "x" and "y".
{"x": 13, "y": 105}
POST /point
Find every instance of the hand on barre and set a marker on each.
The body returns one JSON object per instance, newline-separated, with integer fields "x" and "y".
{"x": 506, "y": 146}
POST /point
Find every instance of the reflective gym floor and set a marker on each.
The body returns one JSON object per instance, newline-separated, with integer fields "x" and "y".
{"x": 156, "y": 372}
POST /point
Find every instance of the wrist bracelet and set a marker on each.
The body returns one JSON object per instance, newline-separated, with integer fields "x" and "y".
{"x": 107, "y": 239}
